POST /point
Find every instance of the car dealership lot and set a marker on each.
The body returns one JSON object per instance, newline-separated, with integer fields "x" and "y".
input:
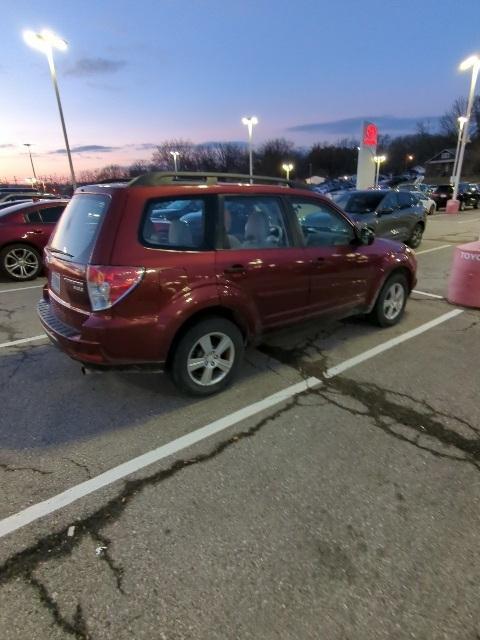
{"x": 348, "y": 510}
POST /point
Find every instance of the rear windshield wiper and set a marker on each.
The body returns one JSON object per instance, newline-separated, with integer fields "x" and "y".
{"x": 64, "y": 253}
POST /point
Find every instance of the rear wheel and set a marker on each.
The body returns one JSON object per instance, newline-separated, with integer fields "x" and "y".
{"x": 207, "y": 357}
{"x": 20, "y": 262}
{"x": 462, "y": 206}
{"x": 391, "y": 301}
{"x": 416, "y": 238}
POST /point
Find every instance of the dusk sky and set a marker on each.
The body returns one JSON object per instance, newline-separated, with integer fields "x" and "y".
{"x": 137, "y": 73}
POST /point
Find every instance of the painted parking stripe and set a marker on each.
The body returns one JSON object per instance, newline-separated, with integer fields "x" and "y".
{"x": 36, "y": 286}
{"x": 14, "y": 343}
{"x": 389, "y": 344}
{"x": 465, "y": 221}
{"x": 444, "y": 246}
{"x": 429, "y": 295}
{"x": 35, "y": 512}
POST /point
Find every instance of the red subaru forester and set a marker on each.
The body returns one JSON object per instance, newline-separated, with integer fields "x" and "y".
{"x": 181, "y": 271}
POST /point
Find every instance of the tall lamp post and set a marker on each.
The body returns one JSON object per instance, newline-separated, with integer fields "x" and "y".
{"x": 473, "y": 63}
{"x": 287, "y": 167}
{"x": 46, "y": 41}
{"x": 461, "y": 123}
{"x": 175, "y": 155}
{"x": 28, "y": 145}
{"x": 378, "y": 161}
{"x": 250, "y": 123}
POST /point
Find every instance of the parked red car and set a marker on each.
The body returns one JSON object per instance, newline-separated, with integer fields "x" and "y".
{"x": 24, "y": 231}
{"x": 179, "y": 272}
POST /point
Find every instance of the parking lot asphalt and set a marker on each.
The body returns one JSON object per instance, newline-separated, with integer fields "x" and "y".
{"x": 348, "y": 510}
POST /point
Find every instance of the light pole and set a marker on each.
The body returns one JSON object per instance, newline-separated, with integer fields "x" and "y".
{"x": 28, "y": 145}
{"x": 46, "y": 41}
{"x": 473, "y": 62}
{"x": 378, "y": 161}
{"x": 175, "y": 155}
{"x": 461, "y": 123}
{"x": 250, "y": 123}
{"x": 287, "y": 167}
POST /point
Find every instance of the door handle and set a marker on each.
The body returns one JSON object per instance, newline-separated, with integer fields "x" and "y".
{"x": 235, "y": 269}
{"x": 37, "y": 230}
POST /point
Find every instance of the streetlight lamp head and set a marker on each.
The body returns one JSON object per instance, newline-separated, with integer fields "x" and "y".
{"x": 250, "y": 121}
{"x": 469, "y": 62}
{"x": 44, "y": 40}
{"x": 462, "y": 120}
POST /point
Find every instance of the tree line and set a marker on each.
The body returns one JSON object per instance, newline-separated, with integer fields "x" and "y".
{"x": 322, "y": 159}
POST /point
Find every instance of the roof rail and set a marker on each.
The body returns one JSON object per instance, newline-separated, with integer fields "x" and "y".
{"x": 159, "y": 178}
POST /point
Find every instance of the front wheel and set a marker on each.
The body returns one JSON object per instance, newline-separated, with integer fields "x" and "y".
{"x": 391, "y": 301}
{"x": 416, "y": 238}
{"x": 20, "y": 262}
{"x": 207, "y": 357}
{"x": 462, "y": 206}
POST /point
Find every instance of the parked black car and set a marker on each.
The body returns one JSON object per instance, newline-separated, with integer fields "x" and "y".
{"x": 397, "y": 215}
{"x": 468, "y": 195}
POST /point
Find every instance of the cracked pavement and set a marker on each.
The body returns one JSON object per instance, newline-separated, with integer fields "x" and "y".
{"x": 350, "y": 511}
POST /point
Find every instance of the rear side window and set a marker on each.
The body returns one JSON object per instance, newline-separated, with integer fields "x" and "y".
{"x": 176, "y": 223}
{"x": 78, "y": 227}
{"x": 33, "y": 217}
{"x": 51, "y": 214}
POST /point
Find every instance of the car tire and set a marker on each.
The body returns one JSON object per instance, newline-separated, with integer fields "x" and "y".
{"x": 415, "y": 239}
{"x": 20, "y": 262}
{"x": 432, "y": 210}
{"x": 462, "y": 206}
{"x": 197, "y": 365}
{"x": 391, "y": 301}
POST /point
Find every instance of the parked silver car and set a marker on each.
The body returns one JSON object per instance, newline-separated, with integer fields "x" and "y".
{"x": 397, "y": 215}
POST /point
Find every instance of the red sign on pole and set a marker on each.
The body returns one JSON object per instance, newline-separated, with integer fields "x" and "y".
{"x": 370, "y": 134}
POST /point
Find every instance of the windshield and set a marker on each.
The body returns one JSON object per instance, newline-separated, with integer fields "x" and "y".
{"x": 360, "y": 202}
{"x": 77, "y": 230}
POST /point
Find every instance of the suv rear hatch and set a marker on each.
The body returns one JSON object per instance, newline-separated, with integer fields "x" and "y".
{"x": 68, "y": 254}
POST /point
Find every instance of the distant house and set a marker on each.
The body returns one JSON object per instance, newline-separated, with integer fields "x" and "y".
{"x": 441, "y": 165}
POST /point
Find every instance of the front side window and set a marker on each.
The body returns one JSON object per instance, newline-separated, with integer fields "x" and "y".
{"x": 406, "y": 200}
{"x": 360, "y": 202}
{"x": 253, "y": 222}
{"x": 321, "y": 226}
{"x": 389, "y": 203}
{"x": 176, "y": 223}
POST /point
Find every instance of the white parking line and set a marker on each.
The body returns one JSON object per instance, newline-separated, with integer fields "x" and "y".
{"x": 35, "y": 512}
{"x": 444, "y": 246}
{"x": 13, "y": 343}
{"x": 465, "y": 221}
{"x": 429, "y": 295}
{"x": 36, "y": 286}
{"x": 389, "y": 344}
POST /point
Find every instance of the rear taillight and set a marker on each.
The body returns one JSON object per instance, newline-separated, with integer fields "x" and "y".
{"x": 108, "y": 285}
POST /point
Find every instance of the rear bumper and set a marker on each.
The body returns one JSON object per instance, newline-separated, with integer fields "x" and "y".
{"x": 116, "y": 347}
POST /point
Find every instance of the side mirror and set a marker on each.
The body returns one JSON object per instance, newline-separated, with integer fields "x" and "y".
{"x": 366, "y": 235}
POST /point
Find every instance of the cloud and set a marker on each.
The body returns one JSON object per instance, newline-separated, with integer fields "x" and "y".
{"x": 87, "y": 148}
{"x": 6, "y": 146}
{"x": 144, "y": 146}
{"x": 95, "y": 67}
{"x": 353, "y": 126}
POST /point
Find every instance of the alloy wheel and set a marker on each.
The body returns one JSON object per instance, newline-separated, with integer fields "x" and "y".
{"x": 21, "y": 263}
{"x": 211, "y": 359}
{"x": 394, "y": 301}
